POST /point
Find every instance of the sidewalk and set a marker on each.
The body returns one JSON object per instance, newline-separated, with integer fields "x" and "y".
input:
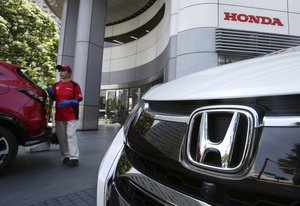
{"x": 40, "y": 178}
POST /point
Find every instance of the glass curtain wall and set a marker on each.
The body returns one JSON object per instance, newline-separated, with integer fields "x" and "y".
{"x": 230, "y": 58}
{"x": 115, "y": 105}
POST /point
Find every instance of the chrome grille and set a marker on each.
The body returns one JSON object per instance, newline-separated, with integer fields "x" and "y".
{"x": 220, "y": 138}
{"x": 173, "y": 174}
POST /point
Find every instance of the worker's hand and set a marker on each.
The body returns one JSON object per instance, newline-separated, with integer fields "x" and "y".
{"x": 64, "y": 103}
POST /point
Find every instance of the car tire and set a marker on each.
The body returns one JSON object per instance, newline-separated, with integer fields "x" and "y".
{"x": 8, "y": 148}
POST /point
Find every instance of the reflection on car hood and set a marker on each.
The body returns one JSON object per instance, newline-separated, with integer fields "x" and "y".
{"x": 263, "y": 76}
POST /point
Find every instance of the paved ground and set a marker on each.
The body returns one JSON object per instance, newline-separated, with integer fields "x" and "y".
{"x": 40, "y": 178}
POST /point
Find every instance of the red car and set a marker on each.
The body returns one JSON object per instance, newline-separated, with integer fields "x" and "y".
{"x": 23, "y": 113}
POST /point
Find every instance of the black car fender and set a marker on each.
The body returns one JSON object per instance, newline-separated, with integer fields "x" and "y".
{"x": 15, "y": 126}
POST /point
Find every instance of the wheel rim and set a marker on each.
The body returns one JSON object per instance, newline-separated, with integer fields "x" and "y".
{"x": 4, "y": 149}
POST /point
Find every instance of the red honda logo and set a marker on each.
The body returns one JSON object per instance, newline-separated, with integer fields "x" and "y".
{"x": 252, "y": 19}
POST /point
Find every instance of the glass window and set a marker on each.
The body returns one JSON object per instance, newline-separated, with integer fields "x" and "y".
{"x": 230, "y": 58}
{"x": 115, "y": 105}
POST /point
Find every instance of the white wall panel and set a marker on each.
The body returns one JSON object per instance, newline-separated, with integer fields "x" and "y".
{"x": 123, "y": 63}
{"x": 174, "y": 24}
{"x": 164, "y": 28}
{"x": 188, "y": 64}
{"x": 107, "y": 53}
{"x": 266, "y": 4}
{"x": 148, "y": 14}
{"x": 146, "y": 56}
{"x": 147, "y": 40}
{"x": 174, "y": 6}
{"x": 294, "y": 24}
{"x": 123, "y": 50}
{"x": 163, "y": 40}
{"x": 106, "y": 66}
{"x": 108, "y": 31}
{"x": 253, "y": 26}
{"x": 165, "y": 22}
{"x": 174, "y": 17}
{"x": 143, "y": 50}
{"x": 162, "y": 44}
{"x": 125, "y": 27}
{"x": 202, "y": 15}
{"x": 294, "y": 6}
{"x": 185, "y": 3}
{"x": 134, "y": 23}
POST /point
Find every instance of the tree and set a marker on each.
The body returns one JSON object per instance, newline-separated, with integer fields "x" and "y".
{"x": 29, "y": 38}
{"x": 291, "y": 164}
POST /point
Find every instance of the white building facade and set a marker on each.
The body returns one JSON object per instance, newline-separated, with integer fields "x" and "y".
{"x": 166, "y": 40}
{"x": 200, "y": 34}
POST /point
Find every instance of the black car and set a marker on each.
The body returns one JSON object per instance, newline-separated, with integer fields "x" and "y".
{"x": 228, "y": 136}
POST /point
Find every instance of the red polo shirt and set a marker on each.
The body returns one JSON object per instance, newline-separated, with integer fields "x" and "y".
{"x": 66, "y": 91}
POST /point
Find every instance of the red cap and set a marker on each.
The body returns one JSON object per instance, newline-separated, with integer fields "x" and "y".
{"x": 64, "y": 67}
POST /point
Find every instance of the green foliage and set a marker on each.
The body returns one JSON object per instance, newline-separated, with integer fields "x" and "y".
{"x": 144, "y": 123}
{"x": 291, "y": 164}
{"x": 29, "y": 38}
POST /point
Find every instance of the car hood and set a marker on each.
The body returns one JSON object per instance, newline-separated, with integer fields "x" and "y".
{"x": 263, "y": 76}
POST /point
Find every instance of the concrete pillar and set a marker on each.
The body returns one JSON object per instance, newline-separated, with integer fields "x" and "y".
{"x": 88, "y": 59}
{"x": 66, "y": 50}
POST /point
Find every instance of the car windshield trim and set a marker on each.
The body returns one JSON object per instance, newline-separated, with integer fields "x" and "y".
{"x": 23, "y": 75}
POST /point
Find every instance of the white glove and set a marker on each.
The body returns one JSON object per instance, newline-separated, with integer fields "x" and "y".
{"x": 42, "y": 86}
